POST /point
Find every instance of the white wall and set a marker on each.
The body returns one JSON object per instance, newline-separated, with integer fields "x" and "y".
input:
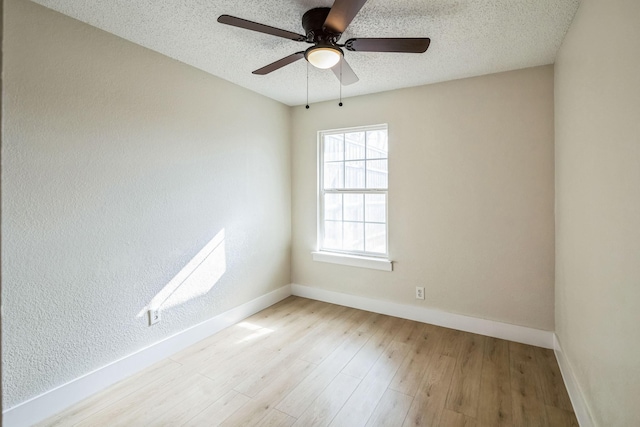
{"x": 471, "y": 195}
{"x": 598, "y": 207}
{"x": 118, "y": 166}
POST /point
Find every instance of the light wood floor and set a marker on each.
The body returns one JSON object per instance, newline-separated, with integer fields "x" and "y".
{"x": 307, "y": 363}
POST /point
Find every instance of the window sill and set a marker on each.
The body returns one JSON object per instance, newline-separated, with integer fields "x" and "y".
{"x": 353, "y": 260}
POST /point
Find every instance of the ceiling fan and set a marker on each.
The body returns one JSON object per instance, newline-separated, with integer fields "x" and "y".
{"x": 323, "y": 28}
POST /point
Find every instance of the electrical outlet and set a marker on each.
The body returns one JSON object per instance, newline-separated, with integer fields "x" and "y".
{"x": 154, "y": 316}
{"x": 419, "y": 292}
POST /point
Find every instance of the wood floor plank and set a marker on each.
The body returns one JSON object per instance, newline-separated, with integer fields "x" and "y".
{"x": 371, "y": 351}
{"x": 450, "y": 342}
{"x": 263, "y": 373}
{"x": 275, "y": 418}
{"x": 202, "y": 349}
{"x": 410, "y": 374}
{"x": 428, "y": 404}
{"x": 297, "y": 401}
{"x": 283, "y": 337}
{"x": 325, "y": 407}
{"x": 297, "y": 343}
{"x": 185, "y": 405}
{"x": 554, "y": 392}
{"x": 561, "y": 418}
{"x": 233, "y": 342}
{"x": 455, "y": 419}
{"x": 256, "y": 409}
{"x": 287, "y": 310}
{"x": 465, "y": 384}
{"x": 307, "y": 312}
{"x": 233, "y": 371}
{"x": 391, "y": 410}
{"x": 338, "y": 330}
{"x": 239, "y": 333}
{"x": 410, "y": 332}
{"x": 298, "y": 309}
{"x": 494, "y": 408}
{"x": 153, "y": 401}
{"x": 113, "y": 394}
{"x": 357, "y": 410}
{"x": 373, "y": 323}
{"x": 270, "y": 316}
{"x": 218, "y": 411}
{"x": 526, "y": 396}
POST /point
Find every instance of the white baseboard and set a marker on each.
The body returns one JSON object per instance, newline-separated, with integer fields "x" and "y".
{"x": 573, "y": 388}
{"x": 54, "y": 401}
{"x": 460, "y": 322}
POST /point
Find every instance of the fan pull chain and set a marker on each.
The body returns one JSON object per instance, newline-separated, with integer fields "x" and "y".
{"x": 340, "y": 103}
{"x": 307, "y": 106}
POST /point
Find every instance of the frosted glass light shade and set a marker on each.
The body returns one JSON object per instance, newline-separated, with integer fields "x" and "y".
{"x": 323, "y": 57}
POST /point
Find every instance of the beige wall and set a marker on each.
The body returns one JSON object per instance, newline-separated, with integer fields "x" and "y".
{"x": 470, "y": 196}
{"x": 598, "y": 206}
{"x": 118, "y": 166}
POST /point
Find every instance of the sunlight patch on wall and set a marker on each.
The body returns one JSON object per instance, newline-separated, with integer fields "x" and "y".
{"x": 195, "y": 279}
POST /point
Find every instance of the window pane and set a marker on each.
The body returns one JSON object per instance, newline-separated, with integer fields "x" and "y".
{"x": 354, "y": 207}
{"x": 334, "y": 175}
{"x": 354, "y": 175}
{"x": 377, "y": 144}
{"x": 354, "y": 146}
{"x": 332, "y": 235}
{"x": 375, "y": 208}
{"x": 333, "y": 206}
{"x": 377, "y": 174}
{"x": 376, "y": 238}
{"x": 353, "y": 236}
{"x": 333, "y": 147}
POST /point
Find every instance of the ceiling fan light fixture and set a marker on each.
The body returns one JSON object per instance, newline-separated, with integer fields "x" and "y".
{"x": 323, "y": 57}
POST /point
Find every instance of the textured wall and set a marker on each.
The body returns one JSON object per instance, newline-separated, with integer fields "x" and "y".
{"x": 118, "y": 166}
{"x": 470, "y": 196}
{"x": 598, "y": 206}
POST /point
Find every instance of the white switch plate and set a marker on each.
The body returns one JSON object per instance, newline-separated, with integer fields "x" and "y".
{"x": 154, "y": 316}
{"x": 419, "y": 292}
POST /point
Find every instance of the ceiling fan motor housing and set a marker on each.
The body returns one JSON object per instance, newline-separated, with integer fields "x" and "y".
{"x": 313, "y": 24}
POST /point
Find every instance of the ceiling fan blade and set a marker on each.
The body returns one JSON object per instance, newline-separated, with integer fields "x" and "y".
{"x": 406, "y": 45}
{"x": 279, "y": 63}
{"x": 342, "y": 13}
{"x": 348, "y": 75}
{"x": 261, "y": 28}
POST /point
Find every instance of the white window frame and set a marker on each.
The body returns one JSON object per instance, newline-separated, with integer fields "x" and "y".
{"x": 364, "y": 259}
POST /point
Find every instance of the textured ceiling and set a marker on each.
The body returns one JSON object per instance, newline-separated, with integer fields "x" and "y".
{"x": 468, "y": 38}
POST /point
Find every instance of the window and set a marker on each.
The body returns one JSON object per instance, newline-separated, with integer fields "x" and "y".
{"x": 353, "y": 183}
